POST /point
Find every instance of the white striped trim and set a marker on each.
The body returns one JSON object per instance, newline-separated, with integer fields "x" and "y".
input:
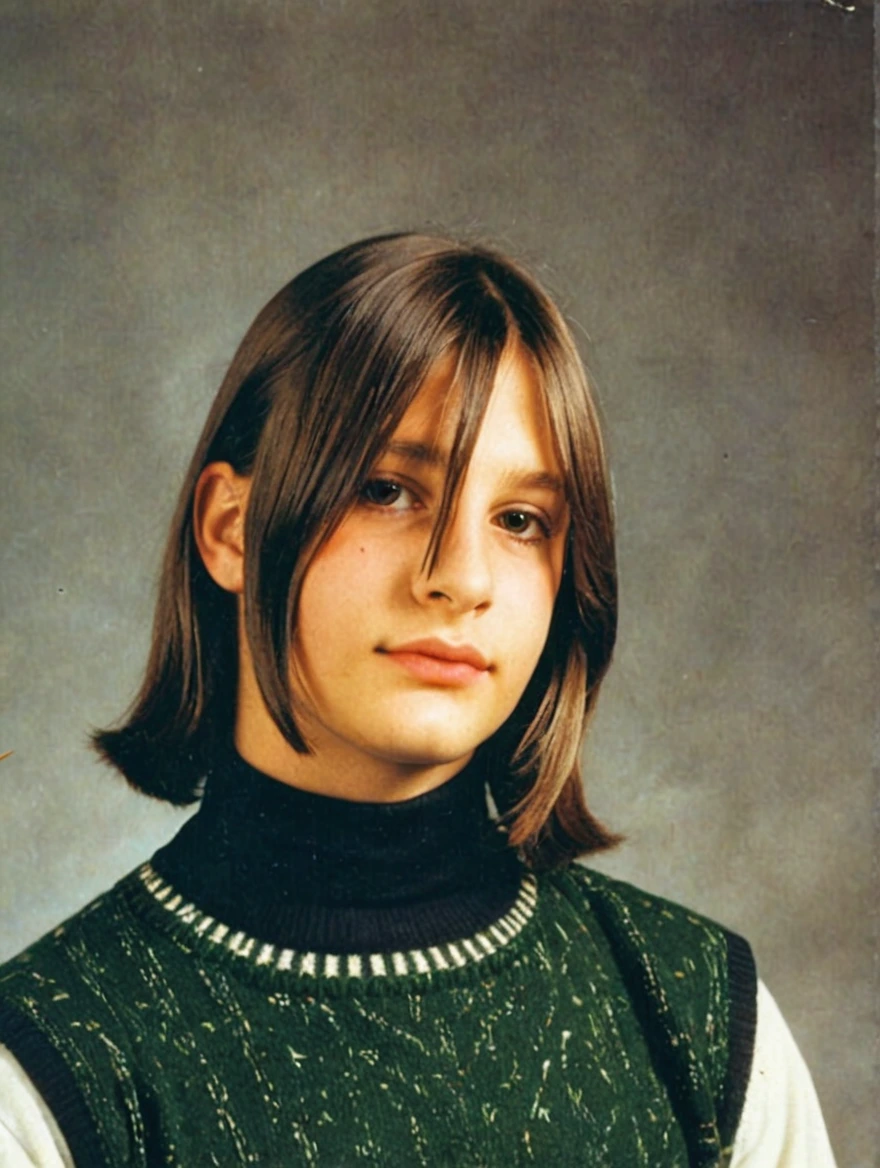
{"x": 420, "y": 961}
{"x": 498, "y": 933}
{"x": 469, "y": 947}
{"x": 456, "y": 954}
{"x": 437, "y": 957}
{"x": 400, "y": 966}
{"x": 434, "y": 959}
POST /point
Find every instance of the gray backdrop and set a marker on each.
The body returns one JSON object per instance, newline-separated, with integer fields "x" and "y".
{"x": 694, "y": 181}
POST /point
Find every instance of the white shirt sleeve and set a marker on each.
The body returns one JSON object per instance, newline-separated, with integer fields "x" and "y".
{"x": 781, "y": 1124}
{"x": 29, "y": 1135}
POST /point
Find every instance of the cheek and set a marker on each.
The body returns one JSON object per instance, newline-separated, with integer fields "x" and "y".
{"x": 346, "y": 583}
{"x": 328, "y": 607}
{"x": 526, "y": 614}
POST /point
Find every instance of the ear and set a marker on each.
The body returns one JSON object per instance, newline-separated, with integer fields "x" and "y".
{"x": 219, "y": 508}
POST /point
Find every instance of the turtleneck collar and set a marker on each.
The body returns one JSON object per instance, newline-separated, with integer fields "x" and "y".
{"x": 306, "y": 870}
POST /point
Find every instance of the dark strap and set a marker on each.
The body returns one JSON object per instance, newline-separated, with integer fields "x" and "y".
{"x": 671, "y": 1046}
{"x": 56, "y": 1084}
{"x": 742, "y": 979}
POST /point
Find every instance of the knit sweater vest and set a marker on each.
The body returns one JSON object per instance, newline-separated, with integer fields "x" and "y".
{"x": 583, "y": 1023}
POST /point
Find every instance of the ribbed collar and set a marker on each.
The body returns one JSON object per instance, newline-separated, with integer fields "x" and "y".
{"x": 309, "y": 871}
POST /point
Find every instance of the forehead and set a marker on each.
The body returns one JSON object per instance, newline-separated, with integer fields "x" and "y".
{"x": 515, "y": 422}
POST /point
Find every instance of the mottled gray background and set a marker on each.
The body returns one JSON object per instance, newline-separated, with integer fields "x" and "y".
{"x": 695, "y": 182}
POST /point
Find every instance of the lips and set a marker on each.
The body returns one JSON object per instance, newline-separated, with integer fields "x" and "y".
{"x": 439, "y": 662}
{"x": 443, "y": 651}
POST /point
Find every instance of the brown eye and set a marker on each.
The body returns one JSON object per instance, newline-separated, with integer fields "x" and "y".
{"x": 381, "y": 492}
{"x": 524, "y": 525}
{"x": 517, "y": 522}
{"x": 388, "y": 495}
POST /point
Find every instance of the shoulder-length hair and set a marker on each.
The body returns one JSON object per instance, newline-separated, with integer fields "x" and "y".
{"x": 312, "y": 396}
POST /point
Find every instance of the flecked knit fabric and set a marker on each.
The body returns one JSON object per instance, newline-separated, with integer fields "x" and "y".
{"x": 590, "y": 1025}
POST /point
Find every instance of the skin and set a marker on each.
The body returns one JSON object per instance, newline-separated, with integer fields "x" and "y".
{"x": 387, "y": 726}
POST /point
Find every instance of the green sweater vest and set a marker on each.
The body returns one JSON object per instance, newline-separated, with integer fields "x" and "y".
{"x": 592, "y": 1025}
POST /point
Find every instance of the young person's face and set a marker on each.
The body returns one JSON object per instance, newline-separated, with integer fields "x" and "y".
{"x": 400, "y": 667}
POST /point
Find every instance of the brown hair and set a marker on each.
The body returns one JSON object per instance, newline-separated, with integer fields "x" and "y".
{"x": 312, "y": 396}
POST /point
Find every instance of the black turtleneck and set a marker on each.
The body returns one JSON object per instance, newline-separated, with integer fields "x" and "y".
{"x": 307, "y": 871}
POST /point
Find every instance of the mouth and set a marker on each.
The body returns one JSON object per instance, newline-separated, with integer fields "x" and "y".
{"x": 438, "y": 662}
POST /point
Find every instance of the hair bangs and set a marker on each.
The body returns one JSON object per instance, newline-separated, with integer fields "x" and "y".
{"x": 480, "y": 351}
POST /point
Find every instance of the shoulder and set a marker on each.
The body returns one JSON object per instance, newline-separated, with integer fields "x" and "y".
{"x": 640, "y": 921}
{"x": 71, "y": 969}
{"x": 89, "y": 965}
{"x": 60, "y": 1003}
{"x": 75, "y": 1010}
{"x": 653, "y": 937}
{"x": 692, "y": 980}
{"x": 662, "y": 919}
{"x": 70, "y": 987}
{"x": 71, "y": 940}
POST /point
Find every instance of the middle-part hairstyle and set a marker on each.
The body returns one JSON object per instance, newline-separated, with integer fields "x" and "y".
{"x": 317, "y": 387}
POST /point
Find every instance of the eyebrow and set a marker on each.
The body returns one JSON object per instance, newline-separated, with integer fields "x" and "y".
{"x": 426, "y": 455}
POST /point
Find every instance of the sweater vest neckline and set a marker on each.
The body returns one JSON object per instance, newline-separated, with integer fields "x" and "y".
{"x": 149, "y": 894}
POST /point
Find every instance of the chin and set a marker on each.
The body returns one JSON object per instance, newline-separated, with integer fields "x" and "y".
{"x": 425, "y": 750}
{"x": 436, "y": 732}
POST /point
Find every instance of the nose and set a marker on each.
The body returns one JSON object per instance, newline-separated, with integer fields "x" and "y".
{"x": 461, "y": 576}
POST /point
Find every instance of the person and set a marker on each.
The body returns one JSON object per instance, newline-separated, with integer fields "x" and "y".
{"x": 386, "y": 609}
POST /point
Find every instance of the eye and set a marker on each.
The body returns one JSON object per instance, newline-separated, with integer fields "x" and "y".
{"x": 387, "y": 494}
{"x": 524, "y": 525}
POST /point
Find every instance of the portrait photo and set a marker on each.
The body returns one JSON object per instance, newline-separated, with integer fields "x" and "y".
{"x": 381, "y": 381}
